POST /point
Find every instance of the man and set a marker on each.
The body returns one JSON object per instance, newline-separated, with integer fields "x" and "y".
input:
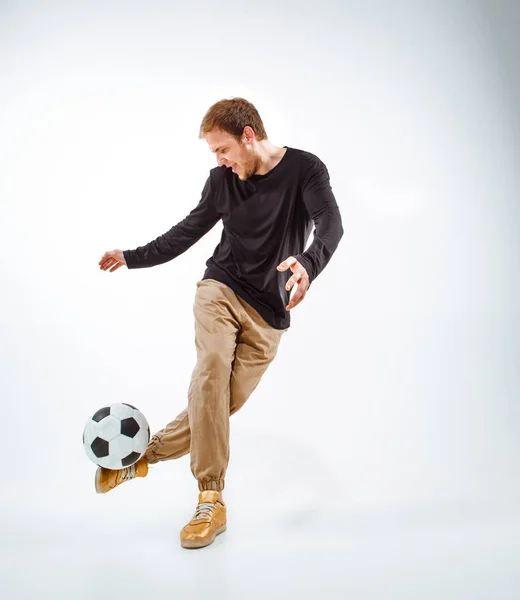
{"x": 268, "y": 198}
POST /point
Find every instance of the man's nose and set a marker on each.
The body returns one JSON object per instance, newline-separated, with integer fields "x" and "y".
{"x": 221, "y": 161}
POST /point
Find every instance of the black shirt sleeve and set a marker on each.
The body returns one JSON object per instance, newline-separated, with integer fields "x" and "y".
{"x": 323, "y": 209}
{"x": 180, "y": 237}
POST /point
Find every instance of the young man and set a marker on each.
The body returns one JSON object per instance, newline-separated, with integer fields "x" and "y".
{"x": 268, "y": 199}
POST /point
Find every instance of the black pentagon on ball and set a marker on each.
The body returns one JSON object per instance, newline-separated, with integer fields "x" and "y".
{"x": 99, "y": 447}
{"x": 129, "y": 427}
{"x": 101, "y": 414}
{"x": 130, "y": 459}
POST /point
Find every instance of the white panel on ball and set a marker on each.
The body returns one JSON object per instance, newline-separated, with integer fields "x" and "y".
{"x": 107, "y": 462}
{"x": 108, "y": 428}
{"x": 121, "y": 411}
{"x": 120, "y": 447}
{"x": 89, "y": 433}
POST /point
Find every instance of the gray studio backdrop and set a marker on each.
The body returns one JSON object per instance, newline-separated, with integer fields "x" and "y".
{"x": 395, "y": 391}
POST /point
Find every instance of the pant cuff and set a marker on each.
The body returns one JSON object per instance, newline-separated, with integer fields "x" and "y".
{"x": 150, "y": 456}
{"x": 213, "y": 484}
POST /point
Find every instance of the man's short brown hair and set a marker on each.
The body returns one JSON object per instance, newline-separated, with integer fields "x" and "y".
{"x": 232, "y": 116}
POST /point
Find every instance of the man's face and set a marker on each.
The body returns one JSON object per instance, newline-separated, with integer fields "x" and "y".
{"x": 232, "y": 153}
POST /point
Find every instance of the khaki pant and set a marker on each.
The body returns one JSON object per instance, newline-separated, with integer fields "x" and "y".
{"x": 235, "y": 346}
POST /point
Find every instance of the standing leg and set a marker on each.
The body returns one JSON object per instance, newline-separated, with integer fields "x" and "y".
{"x": 217, "y": 323}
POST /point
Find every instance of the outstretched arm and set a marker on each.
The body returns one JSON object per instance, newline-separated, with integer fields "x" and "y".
{"x": 180, "y": 237}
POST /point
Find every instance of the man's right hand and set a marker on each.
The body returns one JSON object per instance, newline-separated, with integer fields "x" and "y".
{"x": 112, "y": 260}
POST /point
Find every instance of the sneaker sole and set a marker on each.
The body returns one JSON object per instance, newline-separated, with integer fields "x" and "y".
{"x": 98, "y": 481}
{"x": 99, "y": 487}
{"x": 203, "y": 543}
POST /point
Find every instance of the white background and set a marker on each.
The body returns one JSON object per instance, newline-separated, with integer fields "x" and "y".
{"x": 379, "y": 456}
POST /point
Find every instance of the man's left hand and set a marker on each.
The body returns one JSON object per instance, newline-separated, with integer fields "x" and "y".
{"x": 299, "y": 277}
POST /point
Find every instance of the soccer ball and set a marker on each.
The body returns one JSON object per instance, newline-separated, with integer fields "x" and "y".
{"x": 116, "y": 436}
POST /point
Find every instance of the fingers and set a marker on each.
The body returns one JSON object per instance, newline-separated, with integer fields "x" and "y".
{"x": 287, "y": 263}
{"x": 108, "y": 262}
{"x": 291, "y": 282}
{"x": 295, "y": 300}
{"x": 112, "y": 260}
{"x": 301, "y": 289}
{"x": 299, "y": 277}
{"x": 105, "y": 259}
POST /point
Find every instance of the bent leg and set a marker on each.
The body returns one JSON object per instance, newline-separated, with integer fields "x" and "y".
{"x": 253, "y": 355}
{"x": 203, "y": 427}
{"x": 235, "y": 346}
{"x": 173, "y": 441}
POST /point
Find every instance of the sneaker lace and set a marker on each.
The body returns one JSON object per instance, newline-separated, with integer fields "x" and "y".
{"x": 204, "y": 510}
{"x": 128, "y": 473}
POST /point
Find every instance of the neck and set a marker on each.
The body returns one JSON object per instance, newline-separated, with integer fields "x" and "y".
{"x": 269, "y": 155}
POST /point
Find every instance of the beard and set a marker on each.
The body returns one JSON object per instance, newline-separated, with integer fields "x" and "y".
{"x": 250, "y": 167}
{"x": 251, "y": 163}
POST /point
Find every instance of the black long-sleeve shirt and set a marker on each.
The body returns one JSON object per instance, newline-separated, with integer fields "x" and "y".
{"x": 266, "y": 219}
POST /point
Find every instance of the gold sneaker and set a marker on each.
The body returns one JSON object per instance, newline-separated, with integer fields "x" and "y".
{"x": 208, "y": 521}
{"x": 108, "y": 479}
